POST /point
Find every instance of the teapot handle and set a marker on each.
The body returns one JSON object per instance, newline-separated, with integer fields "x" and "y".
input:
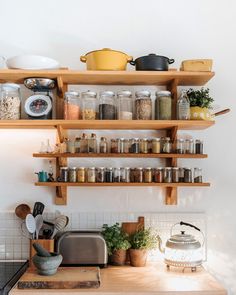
{"x": 189, "y": 224}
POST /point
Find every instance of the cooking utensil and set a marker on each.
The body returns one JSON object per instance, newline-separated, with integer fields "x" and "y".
{"x": 39, "y": 224}
{"x": 106, "y": 60}
{"x": 30, "y": 224}
{"x": 225, "y": 111}
{"x": 152, "y": 62}
{"x": 22, "y": 210}
{"x": 38, "y": 208}
{"x": 47, "y": 232}
{"x": 39, "y": 84}
{"x": 60, "y": 223}
{"x": 41, "y": 251}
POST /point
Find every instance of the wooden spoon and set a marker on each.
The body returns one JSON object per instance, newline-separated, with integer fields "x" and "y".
{"x": 22, "y": 211}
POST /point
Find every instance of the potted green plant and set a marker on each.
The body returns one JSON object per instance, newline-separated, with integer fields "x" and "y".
{"x": 200, "y": 104}
{"x": 141, "y": 241}
{"x": 117, "y": 243}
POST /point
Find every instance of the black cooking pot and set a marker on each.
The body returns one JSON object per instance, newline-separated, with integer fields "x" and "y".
{"x": 152, "y": 62}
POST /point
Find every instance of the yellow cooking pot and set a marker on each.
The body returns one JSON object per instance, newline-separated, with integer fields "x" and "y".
{"x": 106, "y": 60}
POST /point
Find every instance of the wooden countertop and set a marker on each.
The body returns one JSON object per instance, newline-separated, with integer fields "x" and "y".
{"x": 153, "y": 279}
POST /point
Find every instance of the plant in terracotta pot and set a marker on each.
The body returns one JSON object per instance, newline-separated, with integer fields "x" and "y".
{"x": 141, "y": 241}
{"x": 200, "y": 104}
{"x": 117, "y": 243}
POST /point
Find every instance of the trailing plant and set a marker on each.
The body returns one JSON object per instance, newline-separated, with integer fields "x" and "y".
{"x": 115, "y": 237}
{"x": 200, "y": 98}
{"x": 144, "y": 239}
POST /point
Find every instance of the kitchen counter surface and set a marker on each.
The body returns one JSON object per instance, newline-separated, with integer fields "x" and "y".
{"x": 152, "y": 279}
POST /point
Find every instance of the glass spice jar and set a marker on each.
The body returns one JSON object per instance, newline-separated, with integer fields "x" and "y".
{"x": 126, "y": 146}
{"x": 134, "y": 145}
{"x": 84, "y": 144}
{"x": 163, "y": 105}
{"x": 72, "y": 174}
{"x": 92, "y": 143}
{"x": 156, "y": 146}
{"x": 183, "y": 107}
{"x": 180, "y": 146}
{"x": 143, "y": 105}
{"x": 91, "y": 174}
{"x": 189, "y": 146}
{"x": 70, "y": 146}
{"x": 197, "y": 175}
{"x": 187, "y": 175}
{"x": 168, "y": 175}
{"x": 103, "y": 146}
{"x": 89, "y": 105}
{"x": 81, "y": 174}
{"x": 100, "y": 174}
{"x": 72, "y": 105}
{"x": 175, "y": 174}
{"x": 63, "y": 174}
{"x": 181, "y": 174}
{"x": 116, "y": 175}
{"x": 115, "y": 145}
{"x": 122, "y": 145}
{"x": 147, "y": 174}
{"x": 107, "y": 106}
{"x": 125, "y": 174}
{"x": 138, "y": 175}
{"x": 77, "y": 144}
{"x": 167, "y": 145}
{"x": 158, "y": 175}
{"x": 125, "y": 105}
{"x": 198, "y": 146}
{"x": 143, "y": 145}
{"x": 109, "y": 175}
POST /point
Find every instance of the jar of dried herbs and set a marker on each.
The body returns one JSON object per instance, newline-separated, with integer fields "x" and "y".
{"x": 107, "y": 106}
{"x": 81, "y": 174}
{"x": 147, "y": 174}
{"x": 143, "y": 105}
{"x": 89, "y": 105}
{"x": 163, "y": 105}
{"x": 72, "y": 174}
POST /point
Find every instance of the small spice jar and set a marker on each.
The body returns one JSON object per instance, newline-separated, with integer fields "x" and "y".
{"x": 109, "y": 175}
{"x": 103, "y": 146}
{"x": 70, "y": 146}
{"x": 72, "y": 105}
{"x": 72, "y": 174}
{"x": 181, "y": 174}
{"x": 138, "y": 175}
{"x": 126, "y": 146}
{"x": 147, "y": 174}
{"x": 107, "y": 106}
{"x": 116, "y": 175}
{"x": 156, "y": 146}
{"x": 91, "y": 174}
{"x": 122, "y": 145}
{"x": 163, "y": 105}
{"x": 81, "y": 174}
{"x": 168, "y": 174}
{"x": 143, "y": 105}
{"x": 125, "y": 105}
{"x": 77, "y": 144}
{"x": 100, "y": 174}
{"x": 166, "y": 145}
{"x": 180, "y": 146}
{"x": 197, "y": 175}
{"x": 125, "y": 174}
{"x": 143, "y": 145}
{"x": 189, "y": 146}
{"x": 158, "y": 175}
{"x": 134, "y": 145}
{"x": 115, "y": 145}
{"x": 63, "y": 174}
{"x": 92, "y": 143}
{"x": 84, "y": 144}
{"x": 198, "y": 146}
{"x": 175, "y": 174}
{"x": 187, "y": 175}
{"x": 89, "y": 105}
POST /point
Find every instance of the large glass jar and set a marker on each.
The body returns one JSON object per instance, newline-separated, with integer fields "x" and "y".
{"x": 10, "y": 101}
{"x": 107, "y": 106}
{"x": 143, "y": 105}
{"x": 124, "y": 105}
{"x": 72, "y": 105}
{"x": 89, "y": 105}
{"x": 163, "y": 105}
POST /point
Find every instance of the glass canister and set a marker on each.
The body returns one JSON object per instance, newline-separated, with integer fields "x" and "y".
{"x": 168, "y": 174}
{"x": 89, "y": 105}
{"x": 180, "y": 146}
{"x": 125, "y": 174}
{"x": 72, "y": 105}
{"x": 100, "y": 174}
{"x": 70, "y": 146}
{"x": 197, "y": 175}
{"x": 72, "y": 174}
{"x": 166, "y": 145}
{"x": 81, "y": 176}
{"x": 143, "y": 105}
{"x": 126, "y": 146}
{"x": 138, "y": 175}
{"x": 147, "y": 174}
{"x": 187, "y": 175}
{"x": 103, "y": 146}
{"x": 77, "y": 144}
{"x": 109, "y": 175}
{"x": 91, "y": 174}
{"x": 198, "y": 146}
{"x": 63, "y": 174}
{"x": 107, "y": 106}
{"x": 175, "y": 174}
{"x": 163, "y": 105}
{"x": 183, "y": 107}
{"x": 134, "y": 145}
{"x": 84, "y": 143}
{"x": 10, "y": 101}
{"x": 92, "y": 143}
{"x": 143, "y": 145}
{"x": 116, "y": 175}
{"x": 115, "y": 145}
{"x": 181, "y": 174}
{"x": 156, "y": 146}
{"x": 158, "y": 174}
{"x": 122, "y": 145}
{"x": 189, "y": 146}
{"x": 124, "y": 105}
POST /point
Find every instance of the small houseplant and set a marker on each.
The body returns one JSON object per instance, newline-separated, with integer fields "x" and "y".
{"x": 117, "y": 243}
{"x": 200, "y": 104}
{"x": 141, "y": 241}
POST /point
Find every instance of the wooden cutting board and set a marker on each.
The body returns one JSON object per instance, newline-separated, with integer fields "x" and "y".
{"x": 65, "y": 278}
{"x": 131, "y": 227}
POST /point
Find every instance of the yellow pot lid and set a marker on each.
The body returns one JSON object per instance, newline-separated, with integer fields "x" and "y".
{"x": 105, "y": 49}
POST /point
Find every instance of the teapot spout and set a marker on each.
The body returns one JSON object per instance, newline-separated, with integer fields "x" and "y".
{"x": 160, "y": 247}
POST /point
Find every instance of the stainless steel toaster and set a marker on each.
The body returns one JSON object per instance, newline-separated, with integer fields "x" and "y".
{"x": 82, "y": 248}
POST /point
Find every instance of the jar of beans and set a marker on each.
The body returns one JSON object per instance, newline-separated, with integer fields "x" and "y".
{"x": 143, "y": 105}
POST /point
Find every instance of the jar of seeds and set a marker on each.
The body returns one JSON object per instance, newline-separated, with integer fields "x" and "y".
{"x": 189, "y": 146}
{"x": 81, "y": 174}
{"x": 89, "y": 105}
{"x": 72, "y": 174}
{"x": 168, "y": 174}
{"x": 100, "y": 174}
{"x": 156, "y": 146}
{"x": 187, "y": 175}
{"x": 197, "y": 175}
{"x": 91, "y": 174}
{"x": 143, "y": 105}
{"x": 143, "y": 146}
{"x": 180, "y": 146}
{"x": 103, "y": 146}
{"x": 163, "y": 105}
{"x": 107, "y": 106}
{"x": 158, "y": 175}
{"x": 125, "y": 105}
{"x": 147, "y": 175}
{"x": 10, "y": 101}
{"x": 175, "y": 174}
{"x": 134, "y": 145}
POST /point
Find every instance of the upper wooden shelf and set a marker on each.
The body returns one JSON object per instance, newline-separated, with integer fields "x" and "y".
{"x": 111, "y": 77}
{"x": 106, "y": 124}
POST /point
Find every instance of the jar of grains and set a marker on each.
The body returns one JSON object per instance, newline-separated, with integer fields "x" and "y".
{"x": 89, "y": 105}
{"x": 156, "y": 146}
{"x": 175, "y": 174}
{"x": 158, "y": 174}
{"x": 72, "y": 174}
{"x": 10, "y": 101}
{"x": 107, "y": 106}
{"x": 91, "y": 174}
{"x": 143, "y": 145}
{"x": 72, "y": 105}
{"x": 147, "y": 174}
{"x": 168, "y": 174}
{"x": 125, "y": 105}
{"x": 163, "y": 105}
{"x": 143, "y": 105}
{"x": 100, "y": 174}
{"x": 81, "y": 174}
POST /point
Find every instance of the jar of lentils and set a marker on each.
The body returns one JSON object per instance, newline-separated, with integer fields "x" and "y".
{"x": 143, "y": 105}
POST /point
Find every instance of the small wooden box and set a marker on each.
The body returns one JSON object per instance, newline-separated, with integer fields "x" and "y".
{"x": 47, "y": 244}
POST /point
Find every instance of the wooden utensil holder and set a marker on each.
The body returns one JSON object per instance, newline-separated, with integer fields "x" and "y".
{"x": 47, "y": 244}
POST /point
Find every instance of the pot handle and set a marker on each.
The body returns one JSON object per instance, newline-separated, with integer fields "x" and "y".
{"x": 171, "y": 61}
{"x": 129, "y": 59}
{"x": 132, "y": 62}
{"x": 83, "y": 58}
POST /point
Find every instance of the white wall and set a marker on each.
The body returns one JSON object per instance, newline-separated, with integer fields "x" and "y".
{"x": 180, "y": 29}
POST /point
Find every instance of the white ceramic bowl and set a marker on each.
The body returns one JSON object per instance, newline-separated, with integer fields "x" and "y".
{"x": 32, "y": 62}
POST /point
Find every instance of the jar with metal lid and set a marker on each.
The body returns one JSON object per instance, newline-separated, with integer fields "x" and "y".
{"x": 84, "y": 144}
{"x": 109, "y": 175}
{"x": 72, "y": 174}
{"x": 63, "y": 174}
{"x": 100, "y": 174}
{"x": 72, "y": 105}
{"x": 180, "y": 146}
{"x": 77, "y": 144}
{"x": 91, "y": 174}
{"x": 125, "y": 174}
{"x": 70, "y": 146}
{"x": 138, "y": 175}
{"x": 163, "y": 105}
{"x": 156, "y": 146}
{"x": 116, "y": 175}
{"x": 125, "y": 105}
{"x": 187, "y": 175}
{"x": 126, "y": 146}
{"x": 103, "y": 146}
{"x": 175, "y": 174}
{"x": 107, "y": 106}
{"x": 189, "y": 146}
{"x": 147, "y": 174}
{"x": 168, "y": 174}
{"x": 181, "y": 174}
{"x": 122, "y": 145}
{"x": 81, "y": 175}
{"x": 158, "y": 175}
{"x": 89, "y": 105}
{"x": 134, "y": 145}
{"x": 167, "y": 145}
{"x": 198, "y": 146}
{"x": 143, "y": 145}
{"x": 115, "y": 145}
{"x": 143, "y": 105}
{"x": 197, "y": 175}
{"x": 10, "y": 101}
{"x": 92, "y": 143}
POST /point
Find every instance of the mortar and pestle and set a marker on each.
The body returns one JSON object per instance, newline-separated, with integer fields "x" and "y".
{"x": 45, "y": 262}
